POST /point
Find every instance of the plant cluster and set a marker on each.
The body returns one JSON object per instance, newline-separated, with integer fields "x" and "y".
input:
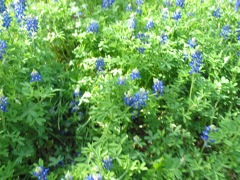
{"x": 116, "y": 89}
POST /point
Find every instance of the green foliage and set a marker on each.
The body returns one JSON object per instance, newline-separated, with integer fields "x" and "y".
{"x": 82, "y": 111}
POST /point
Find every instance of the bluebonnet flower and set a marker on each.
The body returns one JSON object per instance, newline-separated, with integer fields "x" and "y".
{"x": 19, "y": 8}
{"x": 158, "y": 87}
{"x": 143, "y": 38}
{"x": 3, "y": 47}
{"x": 205, "y": 134}
{"x": 35, "y": 76}
{"x": 68, "y": 176}
{"x": 138, "y": 10}
{"x": 140, "y": 36}
{"x": 74, "y": 106}
{"x": 100, "y": 64}
{"x": 180, "y": 3}
{"x": 139, "y": 2}
{"x": 74, "y": 103}
{"x": 237, "y": 5}
{"x": 164, "y": 38}
{"x": 32, "y": 25}
{"x": 132, "y": 23}
{"x": 185, "y": 56}
{"x": 141, "y": 49}
{"x": 41, "y": 173}
{"x": 239, "y": 54}
{"x": 2, "y": 6}
{"x": 129, "y": 7}
{"x": 197, "y": 56}
{"x": 107, "y": 162}
{"x": 128, "y": 99}
{"x": 135, "y": 74}
{"x": 6, "y": 19}
{"x": 165, "y": 13}
{"x": 196, "y": 62}
{"x": 121, "y": 80}
{"x": 94, "y": 177}
{"x": 217, "y": 13}
{"x": 149, "y": 24}
{"x": 89, "y": 177}
{"x": 93, "y": 27}
{"x": 238, "y": 32}
{"x": 107, "y": 3}
{"x": 3, "y": 103}
{"x": 77, "y": 93}
{"x": 225, "y": 31}
{"x": 167, "y": 3}
{"x": 140, "y": 99}
{"x": 60, "y": 163}
{"x": 135, "y": 114}
{"x": 177, "y": 15}
{"x": 192, "y": 42}
{"x": 137, "y": 101}
{"x": 97, "y": 177}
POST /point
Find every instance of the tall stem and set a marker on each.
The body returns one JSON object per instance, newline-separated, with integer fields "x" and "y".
{"x": 191, "y": 88}
{"x": 3, "y": 121}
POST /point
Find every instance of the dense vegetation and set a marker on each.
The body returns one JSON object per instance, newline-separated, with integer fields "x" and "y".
{"x": 119, "y": 89}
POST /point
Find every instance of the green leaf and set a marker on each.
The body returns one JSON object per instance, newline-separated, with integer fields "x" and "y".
{"x": 227, "y": 142}
{"x": 54, "y": 161}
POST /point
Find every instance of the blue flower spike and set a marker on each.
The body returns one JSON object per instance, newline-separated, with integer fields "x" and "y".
{"x": 35, "y": 76}
{"x": 107, "y": 3}
{"x": 192, "y": 43}
{"x": 3, "y": 47}
{"x": 205, "y": 135}
{"x": 121, "y": 81}
{"x": 135, "y": 74}
{"x": 158, "y": 87}
{"x": 177, "y": 15}
{"x": 41, "y": 173}
{"x": 216, "y": 13}
{"x": 132, "y": 22}
{"x": 129, "y": 7}
{"x": 3, "y": 102}
{"x": 93, "y": 27}
{"x": 180, "y": 3}
{"x": 107, "y": 163}
{"x": 32, "y": 25}
{"x": 100, "y": 65}
{"x": 6, "y": 19}
{"x": 94, "y": 177}
{"x": 149, "y": 24}
{"x": 196, "y": 62}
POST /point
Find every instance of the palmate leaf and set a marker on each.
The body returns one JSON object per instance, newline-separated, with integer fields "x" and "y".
{"x": 55, "y": 161}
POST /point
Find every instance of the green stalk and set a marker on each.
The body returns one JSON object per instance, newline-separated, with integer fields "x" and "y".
{"x": 191, "y": 88}
{"x": 191, "y": 91}
{"x": 3, "y": 121}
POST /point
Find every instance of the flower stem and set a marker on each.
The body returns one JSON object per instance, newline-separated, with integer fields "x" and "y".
{"x": 191, "y": 88}
{"x": 3, "y": 121}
